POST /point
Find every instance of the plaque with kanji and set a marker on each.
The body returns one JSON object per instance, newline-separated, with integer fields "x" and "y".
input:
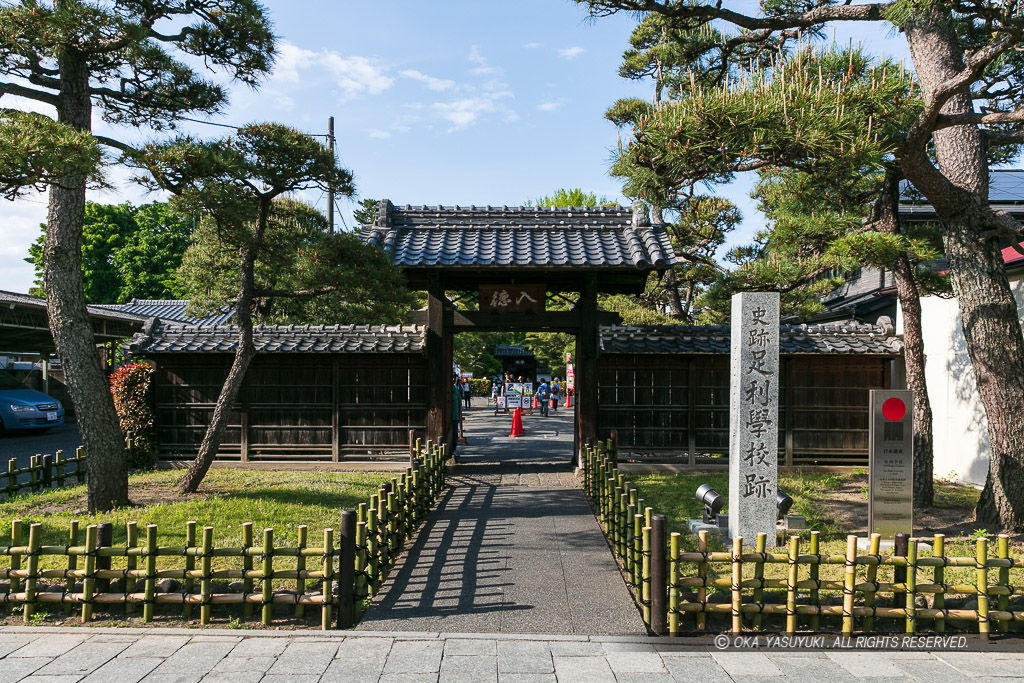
{"x": 512, "y": 298}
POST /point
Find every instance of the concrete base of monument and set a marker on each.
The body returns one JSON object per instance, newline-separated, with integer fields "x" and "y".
{"x": 698, "y": 525}
{"x": 885, "y": 545}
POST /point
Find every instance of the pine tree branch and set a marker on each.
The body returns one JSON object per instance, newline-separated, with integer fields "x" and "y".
{"x": 978, "y": 119}
{"x": 708, "y": 13}
{"x": 1004, "y": 138}
{"x": 29, "y": 93}
{"x": 116, "y": 144}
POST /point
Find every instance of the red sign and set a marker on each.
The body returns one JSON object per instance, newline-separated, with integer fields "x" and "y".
{"x": 894, "y": 409}
{"x": 512, "y": 298}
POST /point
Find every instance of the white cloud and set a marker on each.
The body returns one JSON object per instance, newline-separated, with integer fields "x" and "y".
{"x": 438, "y": 84}
{"x": 530, "y": 46}
{"x": 475, "y": 56}
{"x": 378, "y": 134}
{"x": 571, "y": 52}
{"x": 550, "y": 106}
{"x": 466, "y": 111}
{"x": 355, "y": 75}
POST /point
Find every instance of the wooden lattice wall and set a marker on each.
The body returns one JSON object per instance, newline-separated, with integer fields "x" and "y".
{"x": 293, "y": 406}
{"x": 677, "y": 407}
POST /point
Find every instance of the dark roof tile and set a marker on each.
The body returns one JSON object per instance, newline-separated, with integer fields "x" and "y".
{"x": 283, "y": 338}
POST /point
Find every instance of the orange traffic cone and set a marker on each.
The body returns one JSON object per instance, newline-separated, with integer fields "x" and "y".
{"x": 535, "y": 403}
{"x": 568, "y": 400}
{"x": 517, "y": 423}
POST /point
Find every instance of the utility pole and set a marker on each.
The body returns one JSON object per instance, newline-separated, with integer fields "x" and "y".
{"x": 330, "y": 188}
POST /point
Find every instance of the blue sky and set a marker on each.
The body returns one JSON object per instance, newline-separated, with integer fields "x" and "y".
{"x": 454, "y": 102}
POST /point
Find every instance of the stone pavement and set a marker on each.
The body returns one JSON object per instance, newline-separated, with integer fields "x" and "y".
{"x": 513, "y": 546}
{"x": 111, "y": 655}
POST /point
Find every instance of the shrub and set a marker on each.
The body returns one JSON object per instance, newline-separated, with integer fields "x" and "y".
{"x": 481, "y": 387}
{"x": 130, "y": 386}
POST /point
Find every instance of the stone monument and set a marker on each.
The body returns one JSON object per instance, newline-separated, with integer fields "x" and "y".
{"x": 754, "y": 415}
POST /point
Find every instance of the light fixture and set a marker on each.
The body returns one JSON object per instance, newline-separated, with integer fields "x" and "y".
{"x": 711, "y": 500}
{"x": 782, "y": 502}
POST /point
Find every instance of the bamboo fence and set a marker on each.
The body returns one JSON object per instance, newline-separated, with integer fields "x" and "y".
{"x": 315, "y": 577}
{"x": 916, "y": 597}
{"x": 44, "y": 472}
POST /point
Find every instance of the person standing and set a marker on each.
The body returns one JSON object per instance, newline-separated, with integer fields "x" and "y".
{"x": 543, "y": 397}
{"x": 467, "y": 392}
{"x": 556, "y": 393}
{"x": 456, "y": 413}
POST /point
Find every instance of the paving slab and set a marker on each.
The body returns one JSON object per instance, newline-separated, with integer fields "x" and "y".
{"x": 127, "y": 670}
{"x": 513, "y": 546}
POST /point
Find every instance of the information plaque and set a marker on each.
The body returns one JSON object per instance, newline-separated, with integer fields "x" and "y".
{"x": 891, "y": 463}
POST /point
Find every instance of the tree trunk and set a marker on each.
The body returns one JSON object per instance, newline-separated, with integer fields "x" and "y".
{"x": 988, "y": 311}
{"x": 670, "y": 286}
{"x": 913, "y": 348}
{"x": 69, "y": 318}
{"x": 244, "y": 354}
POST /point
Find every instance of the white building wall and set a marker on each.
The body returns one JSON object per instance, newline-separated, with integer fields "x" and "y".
{"x": 960, "y": 438}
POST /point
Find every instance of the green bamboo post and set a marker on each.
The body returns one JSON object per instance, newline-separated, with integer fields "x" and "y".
{"x": 12, "y": 478}
{"x": 89, "y": 582}
{"x": 267, "y": 597}
{"x": 702, "y": 574}
{"x": 362, "y": 586}
{"x": 417, "y": 498}
{"x": 69, "y": 583}
{"x": 393, "y": 511}
{"x": 80, "y": 464}
{"x": 814, "y": 571}
{"x": 648, "y": 513}
{"x": 58, "y": 460}
{"x": 849, "y": 582}
{"x": 646, "y": 581}
{"x": 328, "y": 585}
{"x": 638, "y": 552}
{"x": 150, "y": 591}
{"x": 247, "y": 583}
{"x": 673, "y": 584}
{"x": 33, "y": 472}
{"x": 407, "y": 507}
{"x": 383, "y": 542}
{"x": 629, "y": 562}
{"x": 791, "y": 579}
{"x": 190, "y": 563}
{"x": 131, "y": 564}
{"x": 1003, "y": 552}
{"x": 911, "y": 606}
{"x": 982, "y": 563}
{"x": 34, "y": 541}
{"x": 624, "y": 527}
{"x": 16, "y": 542}
{"x": 874, "y": 548}
{"x": 372, "y": 556}
{"x": 737, "y": 578}
{"x": 760, "y": 547}
{"x": 206, "y": 582}
{"x": 300, "y": 573}
{"x": 615, "y": 526}
{"x": 939, "y": 578}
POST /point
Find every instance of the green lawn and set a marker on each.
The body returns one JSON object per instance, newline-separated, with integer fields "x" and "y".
{"x": 227, "y": 498}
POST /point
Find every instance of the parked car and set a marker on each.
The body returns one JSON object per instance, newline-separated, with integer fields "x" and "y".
{"x": 24, "y": 408}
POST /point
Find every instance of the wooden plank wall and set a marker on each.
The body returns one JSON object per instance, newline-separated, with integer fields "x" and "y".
{"x": 677, "y": 407}
{"x": 305, "y": 407}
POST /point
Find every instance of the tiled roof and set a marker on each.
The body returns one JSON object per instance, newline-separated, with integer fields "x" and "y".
{"x": 283, "y": 338}
{"x": 170, "y": 310}
{"x": 872, "y": 340}
{"x": 95, "y": 310}
{"x": 538, "y": 237}
{"x": 511, "y": 351}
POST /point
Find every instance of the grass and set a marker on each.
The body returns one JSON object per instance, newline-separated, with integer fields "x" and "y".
{"x": 226, "y": 499}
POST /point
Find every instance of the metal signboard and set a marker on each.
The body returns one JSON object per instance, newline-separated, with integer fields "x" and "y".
{"x": 891, "y": 464}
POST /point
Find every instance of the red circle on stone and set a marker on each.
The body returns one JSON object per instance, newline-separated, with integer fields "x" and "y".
{"x": 894, "y": 409}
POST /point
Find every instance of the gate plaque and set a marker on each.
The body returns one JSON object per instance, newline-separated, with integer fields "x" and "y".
{"x": 891, "y": 464}
{"x": 512, "y": 298}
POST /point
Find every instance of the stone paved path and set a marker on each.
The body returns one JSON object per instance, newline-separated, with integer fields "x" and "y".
{"x": 513, "y": 546}
{"x": 110, "y": 655}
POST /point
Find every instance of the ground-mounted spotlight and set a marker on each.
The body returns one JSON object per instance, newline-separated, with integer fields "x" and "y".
{"x": 782, "y": 502}
{"x": 711, "y": 500}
